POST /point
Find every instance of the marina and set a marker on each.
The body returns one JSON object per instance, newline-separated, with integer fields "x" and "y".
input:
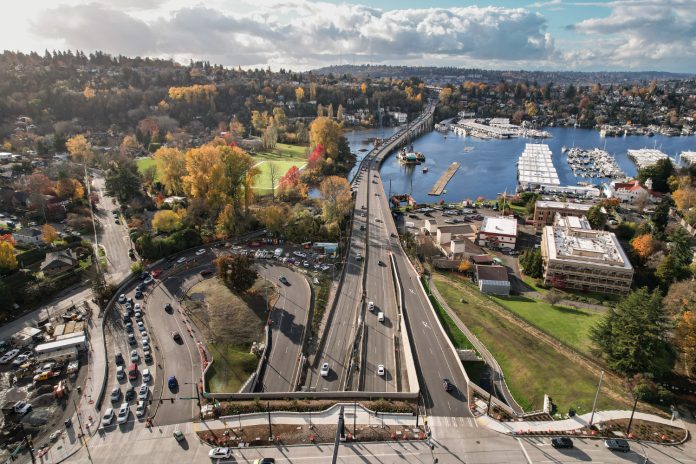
{"x": 410, "y": 157}
{"x": 645, "y": 157}
{"x": 442, "y": 182}
{"x": 593, "y": 164}
{"x": 535, "y": 168}
{"x": 497, "y": 128}
{"x": 688, "y": 157}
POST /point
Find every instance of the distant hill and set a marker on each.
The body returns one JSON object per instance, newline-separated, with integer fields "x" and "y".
{"x": 442, "y": 75}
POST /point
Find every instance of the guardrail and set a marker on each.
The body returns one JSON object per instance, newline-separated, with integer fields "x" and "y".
{"x": 314, "y": 395}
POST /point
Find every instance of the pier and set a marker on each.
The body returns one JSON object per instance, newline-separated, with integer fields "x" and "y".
{"x": 444, "y": 179}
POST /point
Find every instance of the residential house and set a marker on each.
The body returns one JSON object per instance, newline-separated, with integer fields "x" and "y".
{"x": 58, "y": 261}
{"x": 492, "y": 280}
{"x": 30, "y": 236}
{"x": 498, "y": 232}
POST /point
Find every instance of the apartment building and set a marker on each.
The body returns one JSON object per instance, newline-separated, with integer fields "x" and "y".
{"x": 545, "y": 211}
{"x": 577, "y": 257}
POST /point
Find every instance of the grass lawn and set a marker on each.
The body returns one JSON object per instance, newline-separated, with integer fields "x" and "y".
{"x": 570, "y": 325}
{"x": 282, "y": 152}
{"x": 145, "y": 163}
{"x": 231, "y": 368}
{"x": 533, "y": 283}
{"x": 532, "y": 368}
{"x": 262, "y": 183}
{"x": 457, "y": 337}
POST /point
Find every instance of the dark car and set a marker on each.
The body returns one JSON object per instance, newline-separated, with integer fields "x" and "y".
{"x": 119, "y": 358}
{"x": 147, "y": 357}
{"x": 617, "y": 444}
{"x": 130, "y": 393}
{"x": 381, "y": 263}
{"x": 284, "y": 280}
{"x": 447, "y": 385}
{"x": 206, "y": 272}
{"x": 138, "y": 294}
{"x": 561, "y": 442}
{"x": 168, "y": 307}
{"x": 172, "y": 382}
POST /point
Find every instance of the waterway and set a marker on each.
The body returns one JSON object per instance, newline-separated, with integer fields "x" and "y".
{"x": 488, "y": 167}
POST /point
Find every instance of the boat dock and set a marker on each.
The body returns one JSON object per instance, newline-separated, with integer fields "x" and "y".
{"x": 444, "y": 179}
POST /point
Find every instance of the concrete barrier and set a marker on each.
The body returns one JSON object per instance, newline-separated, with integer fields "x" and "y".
{"x": 407, "y": 351}
{"x": 335, "y": 395}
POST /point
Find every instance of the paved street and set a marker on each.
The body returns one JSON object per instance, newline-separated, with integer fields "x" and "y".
{"x": 288, "y": 322}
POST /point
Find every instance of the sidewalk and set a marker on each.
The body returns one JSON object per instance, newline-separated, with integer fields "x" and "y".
{"x": 574, "y": 423}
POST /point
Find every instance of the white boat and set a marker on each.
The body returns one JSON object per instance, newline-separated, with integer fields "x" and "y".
{"x": 425, "y": 169}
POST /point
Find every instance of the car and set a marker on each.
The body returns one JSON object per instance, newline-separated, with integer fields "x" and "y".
{"x": 148, "y": 280}
{"x": 108, "y": 417}
{"x": 123, "y": 412}
{"x": 21, "y": 359}
{"x": 200, "y": 252}
{"x": 181, "y": 260}
{"x": 137, "y": 308}
{"x": 115, "y": 394}
{"x": 362, "y": 227}
{"x": 561, "y": 442}
{"x": 380, "y": 370}
{"x": 176, "y": 336}
{"x": 144, "y": 275}
{"x": 220, "y": 453}
{"x": 172, "y": 382}
{"x": 156, "y": 273}
{"x": 324, "y": 370}
{"x": 146, "y": 376}
{"x": 371, "y": 305}
{"x": 138, "y": 294}
{"x": 119, "y": 358}
{"x": 134, "y": 357}
{"x": 9, "y": 356}
{"x": 138, "y": 316}
{"x": 381, "y": 263}
{"x": 129, "y": 327}
{"x": 120, "y": 373}
{"x": 131, "y": 339}
{"x": 22, "y": 408}
{"x": 140, "y": 409}
{"x": 206, "y": 272}
{"x": 122, "y": 298}
{"x": 392, "y": 235}
{"x": 168, "y": 307}
{"x": 447, "y": 385}
{"x": 617, "y": 444}
{"x": 147, "y": 357}
{"x": 284, "y": 280}
{"x": 143, "y": 392}
{"x": 264, "y": 461}
{"x": 130, "y": 393}
{"x": 178, "y": 436}
{"x": 359, "y": 257}
{"x": 55, "y": 435}
{"x": 141, "y": 326}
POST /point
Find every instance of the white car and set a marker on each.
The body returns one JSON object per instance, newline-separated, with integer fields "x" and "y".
{"x": 371, "y": 305}
{"x": 21, "y": 359}
{"x": 324, "y": 370}
{"x": 140, "y": 409}
{"x": 108, "y": 417}
{"x": 7, "y": 357}
{"x": 134, "y": 357}
{"x": 220, "y": 453}
{"x": 141, "y": 326}
{"x": 22, "y": 408}
{"x": 380, "y": 370}
{"x": 147, "y": 376}
{"x": 137, "y": 307}
{"x": 181, "y": 260}
{"x": 143, "y": 392}
{"x": 115, "y": 394}
{"x": 120, "y": 373}
{"x": 200, "y": 252}
{"x": 122, "y": 298}
{"x": 123, "y": 412}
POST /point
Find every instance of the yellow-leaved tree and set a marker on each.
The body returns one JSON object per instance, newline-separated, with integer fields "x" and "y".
{"x": 327, "y": 133}
{"x": 80, "y": 149}
{"x": 166, "y": 221}
{"x": 8, "y": 259}
{"x": 49, "y": 234}
{"x": 171, "y": 165}
{"x": 643, "y": 245}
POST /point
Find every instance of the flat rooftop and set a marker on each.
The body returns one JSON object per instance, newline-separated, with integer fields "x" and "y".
{"x": 644, "y": 157}
{"x": 499, "y": 225}
{"x": 563, "y": 205}
{"x": 585, "y": 246}
{"x": 689, "y": 156}
{"x": 536, "y": 167}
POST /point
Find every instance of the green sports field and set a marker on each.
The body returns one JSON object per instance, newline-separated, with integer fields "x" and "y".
{"x": 262, "y": 183}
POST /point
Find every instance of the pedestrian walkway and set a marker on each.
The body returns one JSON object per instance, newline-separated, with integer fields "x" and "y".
{"x": 573, "y": 423}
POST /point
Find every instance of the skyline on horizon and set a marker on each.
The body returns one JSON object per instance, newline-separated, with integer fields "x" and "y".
{"x": 551, "y": 35}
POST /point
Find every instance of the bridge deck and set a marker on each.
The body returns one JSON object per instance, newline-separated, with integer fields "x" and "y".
{"x": 444, "y": 179}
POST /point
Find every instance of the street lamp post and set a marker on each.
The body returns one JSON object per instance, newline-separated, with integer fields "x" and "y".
{"x": 82, "y": 435}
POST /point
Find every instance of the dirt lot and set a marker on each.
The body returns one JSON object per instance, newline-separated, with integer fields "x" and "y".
{"x": 257, "y": 435}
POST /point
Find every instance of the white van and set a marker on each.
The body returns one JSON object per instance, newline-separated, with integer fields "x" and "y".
{"x": 380, "y": 316}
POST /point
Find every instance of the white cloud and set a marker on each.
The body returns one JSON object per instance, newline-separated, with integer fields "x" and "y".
{"x": 643, "y": 34}
{"x": 310, "y": 33}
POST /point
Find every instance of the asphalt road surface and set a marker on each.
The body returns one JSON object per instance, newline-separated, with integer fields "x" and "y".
{"x": 288, "y": 322}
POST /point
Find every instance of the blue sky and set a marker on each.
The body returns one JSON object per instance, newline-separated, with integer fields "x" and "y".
{"x": 580, "y": 35}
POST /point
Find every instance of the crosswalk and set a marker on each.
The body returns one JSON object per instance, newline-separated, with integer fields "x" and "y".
{"x": 137, "y": 432}
{"x": 448, "y": 426}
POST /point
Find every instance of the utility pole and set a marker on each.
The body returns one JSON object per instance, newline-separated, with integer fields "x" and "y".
{"x": 594, "y": 403}
{"x": 270, "y": 429}
{"x": 79, "y": 422}
{"x": 630, "y": 421}
{"x": 340, "y": 434}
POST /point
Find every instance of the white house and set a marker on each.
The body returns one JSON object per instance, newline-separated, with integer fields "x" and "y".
{"x": 498, "y": 232}
{"x": 632, "y": 191}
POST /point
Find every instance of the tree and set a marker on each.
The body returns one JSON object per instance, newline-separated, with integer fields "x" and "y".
{"x": 205, "y": 176}
{"x": 299, "y": 94}
{"x": 123, "y": 181}
{"x": 660, "y": 218}
{"x": 327, "y": 133}
{"x": 532, "y": 263}
{"x": 340, "y": 113}
{"x": 166, "y": 221}
{"x": 634, "y": 336}
{"x": 291, "y": 187}
{"x": 553, "y": 297}
{"x": 69, "y": 189}
{"x": 670, "y": 270}
{"x": 464, "y": 267}
{"x": 685, "y": 340}
{"x": 227, "y": 223}
{"x": 596, "y": 217}
{"x": 8, "y": 259}
{"x": 338, "y": 200}
{"x": 316, "y": 157}
{"x": 8, "y": 238}
{"x": 80, "y": 149}
{"x": 50, "y": 234}
{"x": 679, "y": 246}
{"x": 659, "y": 172}
{"x": 643, "y": 246}
{"x": 130, "y": 146}
{"x": 171, "y": 164}
{"x": 684, "y": 198}
{"x": 236, "y": 272}
{"x": 273, "y": 218}
{"x": 680, "y": 297}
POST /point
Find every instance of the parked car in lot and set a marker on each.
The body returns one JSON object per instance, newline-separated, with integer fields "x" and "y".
{"x": 143, "y": 392}
{"x": 134, "y": 357}
{"x": 108, "y": 417}
{"x": 130, "y": 393}
{"x": 22, "y": 408}
{"x": 146, "y": 376}
{"x": 140, "y": 409}
{"x": 220, "y": 453}
{"x": 122, "y": 298}
{"x": 120, "y": 373}
{"x": 178, "y": 436}
{"x": 123, "y": 413}
{"x": 7, "y": 357}
{"x": 115, "y": 394}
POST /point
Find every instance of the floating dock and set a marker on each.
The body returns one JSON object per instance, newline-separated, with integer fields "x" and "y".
{"x": 444, "y": 179}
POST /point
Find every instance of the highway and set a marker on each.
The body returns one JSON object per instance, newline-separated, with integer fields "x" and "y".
{"x": 288, "y": 322}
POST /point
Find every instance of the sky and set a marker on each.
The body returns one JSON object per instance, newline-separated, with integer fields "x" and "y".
{"x": 580, "y": 35}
